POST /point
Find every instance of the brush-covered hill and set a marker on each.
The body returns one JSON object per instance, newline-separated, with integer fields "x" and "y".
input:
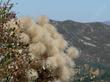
{"x": 93, "y": 42}
{"x": 92, "y": 39}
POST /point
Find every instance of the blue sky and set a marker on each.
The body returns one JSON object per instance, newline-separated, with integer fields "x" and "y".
{"x": 77, "y": 10}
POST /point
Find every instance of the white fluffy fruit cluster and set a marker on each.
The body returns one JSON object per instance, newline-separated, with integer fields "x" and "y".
{"x": 45, "y": 43}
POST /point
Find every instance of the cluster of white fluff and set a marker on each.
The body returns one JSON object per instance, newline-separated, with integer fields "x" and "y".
{"x": 32, "y": 74}
{"x": 46, "y": 44}
{"x": 12, "y": 24}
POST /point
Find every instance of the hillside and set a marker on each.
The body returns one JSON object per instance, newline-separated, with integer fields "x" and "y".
{"x": 107, "y": 22}
{"x": 92, "y": 39}
{"x": 93, "y": 42}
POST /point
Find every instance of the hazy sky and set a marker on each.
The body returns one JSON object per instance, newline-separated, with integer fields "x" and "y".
{"x": 78, "y": 10}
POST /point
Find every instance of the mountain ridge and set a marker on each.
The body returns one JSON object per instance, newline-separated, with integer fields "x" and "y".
{"x": 92, "y": 39}
{"x": 107, "y": 22}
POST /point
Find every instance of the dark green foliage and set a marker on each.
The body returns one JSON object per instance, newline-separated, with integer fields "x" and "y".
{"x": 5, "y": 12}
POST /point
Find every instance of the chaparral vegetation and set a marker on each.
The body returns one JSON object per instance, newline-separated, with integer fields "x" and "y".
{"x": 34, "y": 51}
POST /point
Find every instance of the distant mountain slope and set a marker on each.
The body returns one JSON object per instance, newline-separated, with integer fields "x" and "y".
{"x": 107, "y": 22}
{"x": 92, "y": 40}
